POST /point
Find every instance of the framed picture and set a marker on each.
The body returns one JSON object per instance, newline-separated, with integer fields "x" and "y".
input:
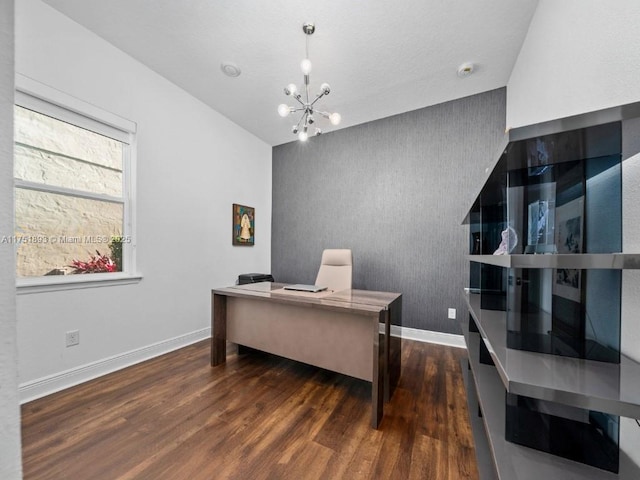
{"x": 538, "y": 222}
{"x": 539, "y": 155}
{"x": 569, "y": 226}
{"x": 243, "y": 224}
{"x": 569, "y": 240}
{"x": 541, "y": 227}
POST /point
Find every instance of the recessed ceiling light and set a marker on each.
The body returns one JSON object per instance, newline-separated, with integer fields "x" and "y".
{"x": 465, "y": 70}
{"x": 230, "y": 69}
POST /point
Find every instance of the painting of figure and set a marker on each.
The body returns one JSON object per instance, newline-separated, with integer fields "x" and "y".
{"x": 243, "y": 225}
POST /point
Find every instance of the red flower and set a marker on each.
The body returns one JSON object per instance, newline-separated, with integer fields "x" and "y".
{"x": 96, "y": 264}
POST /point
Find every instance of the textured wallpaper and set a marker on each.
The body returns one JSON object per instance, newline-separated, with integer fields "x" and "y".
{"x": 395, "y": 192}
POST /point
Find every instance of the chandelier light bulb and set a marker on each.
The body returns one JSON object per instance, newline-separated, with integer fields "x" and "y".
{"x": 335, "y": 118}
{"x": 302, "y": 136}
{"x": 290, "y": 89}
{"x": 305, "y": 65}
{"x": 284, "y": 110}
{"x": 325, "y": 88}
{"x": 295, "y": 129}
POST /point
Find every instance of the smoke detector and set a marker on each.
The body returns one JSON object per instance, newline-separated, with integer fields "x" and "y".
{"x": 465, "y": 70}
{"x": 230, "y": 69}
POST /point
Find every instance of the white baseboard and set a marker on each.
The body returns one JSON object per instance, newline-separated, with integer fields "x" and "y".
{"x": 54, "y": 383}
{"x": 428, "y": 336}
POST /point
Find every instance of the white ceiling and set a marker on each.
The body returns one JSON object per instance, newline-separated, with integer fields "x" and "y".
{"x": 381, "y": 57}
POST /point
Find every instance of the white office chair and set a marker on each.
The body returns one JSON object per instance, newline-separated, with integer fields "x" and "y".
{"x": 336, "y": 268}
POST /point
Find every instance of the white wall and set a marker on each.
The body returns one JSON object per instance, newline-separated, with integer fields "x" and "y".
{"x": 10, "y": 464}
{"x": 580, "y": 56}
{"x": 192, "y": 163}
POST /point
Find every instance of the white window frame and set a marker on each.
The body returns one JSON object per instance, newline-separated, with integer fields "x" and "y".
{"x": 43, "y": 99}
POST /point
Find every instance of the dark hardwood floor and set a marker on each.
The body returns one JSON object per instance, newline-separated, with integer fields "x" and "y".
{"x": 257, "y": 417}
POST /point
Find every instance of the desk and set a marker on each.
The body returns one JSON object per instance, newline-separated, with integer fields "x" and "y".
{"x": 346, "y": 331}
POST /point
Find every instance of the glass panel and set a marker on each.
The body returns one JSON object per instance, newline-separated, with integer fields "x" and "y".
{"x": 54, "y": 230}
{"x": 582, "y": 435}
{"x": 493, "y": 287}
{"x": 565, "y": 312}
{"x": 571, "y": 207}
{"x": 475, "y": 235}
{"x": 546, "y": 208}
{"x": 493, "y": 221}
{"x": 53, "y": 152}
{"x": 604, "y": 198}
{"x": 569, "y": 146}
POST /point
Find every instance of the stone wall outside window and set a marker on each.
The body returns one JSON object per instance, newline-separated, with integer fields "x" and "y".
{"x": 53, "y": 229}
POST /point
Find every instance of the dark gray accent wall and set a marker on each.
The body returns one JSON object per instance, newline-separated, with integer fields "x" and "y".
{"x": 393, "y": 191}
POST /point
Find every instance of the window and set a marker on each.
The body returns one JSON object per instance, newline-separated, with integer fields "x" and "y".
{"x": 73, "y": 196}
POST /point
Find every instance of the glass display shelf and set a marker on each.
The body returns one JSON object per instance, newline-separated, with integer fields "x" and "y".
{"x": 484, "y": 457}
{"x": 605, "y": 387}
{"x": 517, "y": 462}
{"x": 613, "y": 261}
{"x": 556, "y": 194}
{"x": 545, "y": 290}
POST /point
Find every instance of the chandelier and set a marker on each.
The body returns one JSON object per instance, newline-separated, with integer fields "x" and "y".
{"x": 306, "y": 103}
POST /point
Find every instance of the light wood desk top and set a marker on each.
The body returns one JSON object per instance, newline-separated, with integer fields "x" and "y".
{"x": 351, "y": 300}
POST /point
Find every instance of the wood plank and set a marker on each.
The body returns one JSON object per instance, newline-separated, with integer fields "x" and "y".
{"x": 257, "y": 416}
{"x": 431, "y": 460}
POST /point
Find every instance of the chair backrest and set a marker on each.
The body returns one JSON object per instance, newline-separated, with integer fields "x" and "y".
{"x": 336, "y": 269}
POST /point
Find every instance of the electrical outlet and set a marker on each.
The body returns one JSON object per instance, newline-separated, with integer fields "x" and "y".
{"x": 73, "y": 338}
{"x": 452, "y": 313}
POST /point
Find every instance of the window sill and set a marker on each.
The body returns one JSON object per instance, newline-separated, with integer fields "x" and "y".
{"x": 73, "y": 282}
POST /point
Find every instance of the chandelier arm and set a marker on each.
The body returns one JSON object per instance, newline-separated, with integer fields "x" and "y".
{"x": 300, "y": 101}
{"x": 324, "y": 114}
{"x": 318, "y": 97}
{"x": 301, "y": 118}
